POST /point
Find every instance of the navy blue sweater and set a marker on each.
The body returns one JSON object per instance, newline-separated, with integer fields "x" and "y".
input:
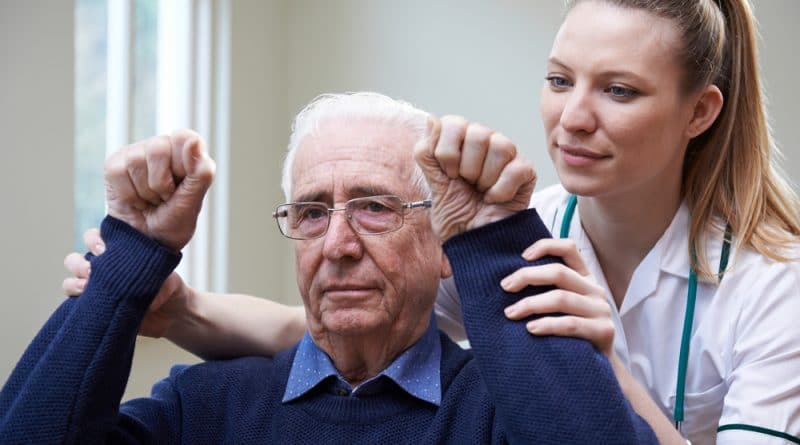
{"x": 517, "y": 388}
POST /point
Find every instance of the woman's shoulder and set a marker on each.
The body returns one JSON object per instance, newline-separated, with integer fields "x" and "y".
{"x": 748, "y": 262}
{"x": 764, "y": 285}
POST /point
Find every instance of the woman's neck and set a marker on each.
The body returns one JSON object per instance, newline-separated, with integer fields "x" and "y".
{"x": 624, "y": 228}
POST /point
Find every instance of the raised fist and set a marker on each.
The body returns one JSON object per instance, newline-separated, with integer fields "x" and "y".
{"x": 157, "y": 186}
{"x": 476, "y": 175}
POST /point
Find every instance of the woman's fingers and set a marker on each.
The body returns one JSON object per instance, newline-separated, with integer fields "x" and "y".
{"x": 77, "y": 265}
{"x": 559, "y": 247}
{"x": 555, "y": 274}
{"x": 94, "y": 242}
{"x": 587, "y": 313}
{"x": 73, "y": 286}
{"x": 598, "y": 331}
{"x": 558, "y": 300}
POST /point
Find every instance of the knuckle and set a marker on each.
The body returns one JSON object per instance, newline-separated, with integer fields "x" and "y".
{"x": 560, "y": 273}
{"x": 114, "y": 164}
{"x": 523, "y": 173}
{"x": 92, "y": 237}
{"x": 160, "y": 141}
{"x": 606, "y": 330}
{"x": 596, "y": 290}
{"x": 453, "y": 131}
{"x": 453, "y": 121}
{"x": 508, "y": 150}
{"x": 570, "y": 325}
{"x": 560, "y": 298}
{"x": 158, "y": 149}
{"x": 605, "y": 311}
{"x": 182, "y": 133}
{"x": 135, "y": 159}
{"x": 479, "y": 134}
{"x": 502, "y": 143}
{"x": 526, "y": 304}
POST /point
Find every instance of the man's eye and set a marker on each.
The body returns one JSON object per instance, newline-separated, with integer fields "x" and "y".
{"x": 376, "y": 207}
{"x": 312, "y": 213}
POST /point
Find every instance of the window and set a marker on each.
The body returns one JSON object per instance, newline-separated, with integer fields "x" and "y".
{"x": 147, "y": 67}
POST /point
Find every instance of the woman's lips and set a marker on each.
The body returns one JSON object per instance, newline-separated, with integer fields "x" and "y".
{"x": 579, "y": 156}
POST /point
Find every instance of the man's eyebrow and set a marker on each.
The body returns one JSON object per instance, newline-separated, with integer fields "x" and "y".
{"x": 372, "y": 190}
{"x": 360, "y": 191}
{"x": 313, "y": 197}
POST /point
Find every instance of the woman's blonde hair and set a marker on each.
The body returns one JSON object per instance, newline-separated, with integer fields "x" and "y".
{"x": 730, "y": 172}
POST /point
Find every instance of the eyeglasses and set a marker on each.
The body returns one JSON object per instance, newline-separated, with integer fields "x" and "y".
{"x": 372, "y": 215}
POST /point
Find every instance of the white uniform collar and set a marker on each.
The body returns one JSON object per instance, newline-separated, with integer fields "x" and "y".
{"x": 675, "y": 244}
{"x": 670, "y": 255}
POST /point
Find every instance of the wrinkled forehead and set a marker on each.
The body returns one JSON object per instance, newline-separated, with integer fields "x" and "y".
{"x": 347, "y": 160}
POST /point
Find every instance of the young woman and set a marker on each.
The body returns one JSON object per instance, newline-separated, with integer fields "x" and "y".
{"x": 679, "y": 236}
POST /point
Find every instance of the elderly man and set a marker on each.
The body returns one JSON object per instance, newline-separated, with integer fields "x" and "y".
{"x": 372, "y": 368}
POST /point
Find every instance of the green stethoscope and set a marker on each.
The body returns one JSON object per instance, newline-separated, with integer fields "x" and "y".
{"x": 691, "y": 296}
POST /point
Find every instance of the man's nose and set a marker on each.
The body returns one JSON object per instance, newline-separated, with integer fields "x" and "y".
{"x": 341, "y": 240}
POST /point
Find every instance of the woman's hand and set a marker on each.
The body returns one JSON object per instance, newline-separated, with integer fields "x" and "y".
{"x": 578, "y": 296}
{"x": 169, "y": 305}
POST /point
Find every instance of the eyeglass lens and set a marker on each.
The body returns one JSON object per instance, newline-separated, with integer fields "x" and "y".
{"x": 371, "y": 215}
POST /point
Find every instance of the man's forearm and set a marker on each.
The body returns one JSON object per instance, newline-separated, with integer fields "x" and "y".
{"x": 69, "y": 382}
{"x": 546, "y": 389}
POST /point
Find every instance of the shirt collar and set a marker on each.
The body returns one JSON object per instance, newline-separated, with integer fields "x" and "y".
{"x": 671, "y": 250}
{"x": 416, "y": 370}
{"x": 675, "y": 244}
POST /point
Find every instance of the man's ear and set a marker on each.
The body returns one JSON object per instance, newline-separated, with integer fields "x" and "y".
{"x": 446, "y": 271}
{"x": 706, "y": 109}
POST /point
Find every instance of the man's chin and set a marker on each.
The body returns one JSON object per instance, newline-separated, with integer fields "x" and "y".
{"x": 352, "y": 322}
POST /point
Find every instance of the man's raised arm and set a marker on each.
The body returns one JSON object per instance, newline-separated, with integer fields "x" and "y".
{"x": 69, "y": 382}
{"x": 546, "y": 389}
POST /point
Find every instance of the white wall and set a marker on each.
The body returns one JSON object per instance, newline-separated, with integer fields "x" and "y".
{"x": 480, "y": 59}
{"x": 779, "y": 67}
{"x": 484, "y": 60}
{"x": 36, "y": 124}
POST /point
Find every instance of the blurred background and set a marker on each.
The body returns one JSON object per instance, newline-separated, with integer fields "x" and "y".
{"x": 82, "y": 78}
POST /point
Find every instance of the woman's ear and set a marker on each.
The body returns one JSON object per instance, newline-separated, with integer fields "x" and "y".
{"x": 706, "y": 109}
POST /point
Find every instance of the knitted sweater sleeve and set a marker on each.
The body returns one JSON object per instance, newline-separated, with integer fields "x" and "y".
{"x": 68, "y": 384}
{"x": 546, "y": 389}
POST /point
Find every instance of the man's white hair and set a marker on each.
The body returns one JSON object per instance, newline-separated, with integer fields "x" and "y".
{"x": 360, "y": 105}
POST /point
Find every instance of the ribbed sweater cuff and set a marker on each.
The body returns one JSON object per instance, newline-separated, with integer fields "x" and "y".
{"x": 133, "y": 264}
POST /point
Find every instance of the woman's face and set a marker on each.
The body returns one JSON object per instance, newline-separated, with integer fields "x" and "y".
{"x": 613, "y": 108}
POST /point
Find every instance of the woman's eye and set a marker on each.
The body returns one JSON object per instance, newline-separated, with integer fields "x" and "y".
{"x": 558, "y": 82}
{"x": 621, "y": 92}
